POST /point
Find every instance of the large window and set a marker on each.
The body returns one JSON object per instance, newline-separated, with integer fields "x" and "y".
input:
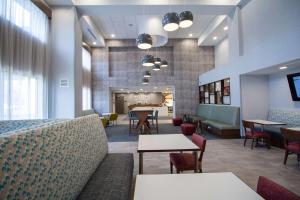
{"x": 86, "y": 88}
{"x": 23, "y": 60}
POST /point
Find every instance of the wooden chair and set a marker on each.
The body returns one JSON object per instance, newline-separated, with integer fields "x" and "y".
{"x": 251, "y": 133}
{"x": 291, "y": 142}
{"x": 270, "y": 190}
{"x": 186, "y": 161}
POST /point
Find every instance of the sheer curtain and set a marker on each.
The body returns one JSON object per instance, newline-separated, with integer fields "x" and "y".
{"x": 23, "y": 60}
{"x": 86, "y": 88}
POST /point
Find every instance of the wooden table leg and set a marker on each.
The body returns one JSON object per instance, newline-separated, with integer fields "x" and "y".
{"x": 196, "y": 161}
{"x": 140, "y": 162}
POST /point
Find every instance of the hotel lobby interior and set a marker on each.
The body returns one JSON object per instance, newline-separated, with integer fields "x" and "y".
{"x": 150, "y": 100}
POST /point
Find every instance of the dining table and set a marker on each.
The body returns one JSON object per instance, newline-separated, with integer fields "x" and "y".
{"x": 143, "y": 123}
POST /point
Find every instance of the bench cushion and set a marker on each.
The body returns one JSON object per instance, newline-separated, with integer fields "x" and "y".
{"x": 112, "y": 179}
{"x": 220, "y": 125}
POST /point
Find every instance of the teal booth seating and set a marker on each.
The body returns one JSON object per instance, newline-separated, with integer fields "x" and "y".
{"x": 221, "y": 120}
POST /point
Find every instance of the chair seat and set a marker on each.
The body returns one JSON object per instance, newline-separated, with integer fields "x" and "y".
{"x": 183, "y": 161}
{"x": 294, "y": 147}
{"x": 257, "y": 134}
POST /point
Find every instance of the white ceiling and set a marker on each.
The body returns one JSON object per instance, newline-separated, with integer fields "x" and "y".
{"x": 114, "y": 16}
{"x": 125, "y": 27}
{"x": 143, "y": 88}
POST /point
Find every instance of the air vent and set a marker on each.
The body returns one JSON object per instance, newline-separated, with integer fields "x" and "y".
{"x": 64, "y": 83}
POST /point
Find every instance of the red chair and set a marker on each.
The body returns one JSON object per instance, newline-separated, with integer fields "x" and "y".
{"x": 291, "y": 142}
{"x": 177, "y": 121}
{"x": 251, "y": 133}
{"x": 270, "y": 190}
{"x": 188, "y": 128}
{"x": 186, "y": 161}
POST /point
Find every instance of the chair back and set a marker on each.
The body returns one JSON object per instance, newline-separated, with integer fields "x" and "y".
{"x": 113, "y": 117}
{"x": 248, "y": 126}
{"x": 156, "y": 114}
{"x": 200, "y": 142}
{"x": 270, "y": 190}
{"x": 290, "y": 135}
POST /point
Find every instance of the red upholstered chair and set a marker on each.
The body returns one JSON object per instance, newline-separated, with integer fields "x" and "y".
{"x": 291, "y": 142}
{"x": 270, "y": 190}
{"x": 186, "y": 161}
{"x": 188, "y": 129}
{"x": 177, "y": 121}
{"x": 251, "y": 133}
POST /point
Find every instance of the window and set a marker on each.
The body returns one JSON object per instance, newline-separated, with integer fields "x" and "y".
{"x": 86, "y": 88}
{"x": 22, "y": 97}
{"x": 23, "y": 60}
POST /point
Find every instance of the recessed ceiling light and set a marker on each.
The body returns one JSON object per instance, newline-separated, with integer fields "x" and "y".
{"x": 215, "y": 37}
{"x": 155, "y": 87}
{"x": 112, "y": 35}
{"x": 141, "y": 89}
{"x": 121, "y": 89}
{"x": 94, "y": 43}
{"x": 190, "y": 35}
{"x": 225, "y": 28}
{"x": 283, "y": 67}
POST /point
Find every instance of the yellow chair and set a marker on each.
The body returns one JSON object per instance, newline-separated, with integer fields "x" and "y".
{"x": 113, "y": 118}
{"x": 104, "y": 121}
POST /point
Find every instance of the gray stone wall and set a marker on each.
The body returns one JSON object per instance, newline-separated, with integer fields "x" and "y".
{"x": 118, "y": 65}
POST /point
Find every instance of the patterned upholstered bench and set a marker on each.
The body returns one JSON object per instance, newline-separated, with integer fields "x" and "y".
{"x": 290, "y": 117}
{"x": 63, "y": 160}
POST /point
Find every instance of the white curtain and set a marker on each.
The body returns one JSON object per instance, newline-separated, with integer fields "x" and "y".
{"x": 23, "y": 60}
{"x": 86, "y": 80}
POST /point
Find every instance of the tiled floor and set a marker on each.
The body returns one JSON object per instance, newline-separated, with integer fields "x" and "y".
{"x": 228, "y": 155}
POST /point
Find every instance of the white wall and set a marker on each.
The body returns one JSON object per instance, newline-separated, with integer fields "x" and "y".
{"x": 65, "y": 102}
{"x": 268, "y": 35}
{"x": 279, "y": 91}
{"x": 222, "y": 53}
{"x": 254, "y": 96}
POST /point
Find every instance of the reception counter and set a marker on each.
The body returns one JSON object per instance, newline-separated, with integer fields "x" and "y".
{"x": 162, "y": 110}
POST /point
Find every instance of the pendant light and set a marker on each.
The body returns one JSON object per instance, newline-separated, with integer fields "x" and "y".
{"x": 186, "y": 19}
{"x": 148, "y": 61}
{"x": 164, "y": 63}
{"x": 144, "y": 41}
{"x": 157, "y": 60}
{"x": 170, "y": 21}
{"x": 147, "y": 74}
{"x": 156, "y": 67}
{"x": 145, "y": 81}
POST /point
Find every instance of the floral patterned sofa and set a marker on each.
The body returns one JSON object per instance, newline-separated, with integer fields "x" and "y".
{"x": 61, "y": 159}
{"x": 290, "y": 117}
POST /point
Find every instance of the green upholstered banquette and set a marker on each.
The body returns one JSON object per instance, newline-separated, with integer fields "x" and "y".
{"x": 220, "y": 119}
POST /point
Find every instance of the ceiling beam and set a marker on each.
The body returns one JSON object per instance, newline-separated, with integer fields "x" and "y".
{"x": 41, "y": 4}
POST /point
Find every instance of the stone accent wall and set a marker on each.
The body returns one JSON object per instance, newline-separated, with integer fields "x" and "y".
{"x": 118, "y": 65}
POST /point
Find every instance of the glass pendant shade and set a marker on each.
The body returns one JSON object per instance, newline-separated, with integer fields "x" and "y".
{"x": 164, "y": 63}
{"x": 156, "y": 67}
{"x": 145, "y": 81}
{"x": 147, "y": 74}
{"x": 148, "y": 61}
{"x": 170, "y": 21}
{"x": 186, "y": 19}
{"x": 144, "y": 41}
{"x": 157, "y": 60}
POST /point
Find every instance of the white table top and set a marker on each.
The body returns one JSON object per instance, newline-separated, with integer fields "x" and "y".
{"x": 294, "y": 128}
{"x": 265, "y": 122}
{"x": 165, "y": 142}
{"x": 206, "y": 186}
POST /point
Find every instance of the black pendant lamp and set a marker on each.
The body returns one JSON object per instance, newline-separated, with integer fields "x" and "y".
{"x": 157, "y": 60}
{"x": 148, "y": 61}
{"x": 144, "y": 41}
{"x": 164, "y": 63}
{"x": 156, "y": 67}
{"x": 145, "y": 81}
{"x": 186, "y": 19}
{"x": 170, "y": 21}
{"x": 147, "y": 74}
